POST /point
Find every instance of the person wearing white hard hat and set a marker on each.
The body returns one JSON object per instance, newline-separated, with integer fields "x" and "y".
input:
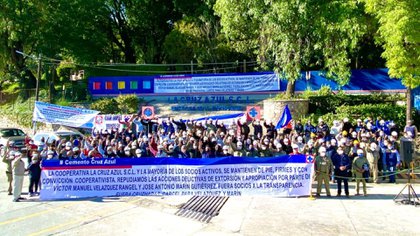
{"x": 225, "y": 150}
{"x": 258, "y": 130}
{"x": 271, "y": 130}
{"x": 410, "y": 127}
{"x": 110, "y": 152}
{"x": 239, "y": 150}
{"x": 323, "y": 168}
{"x": 359, "y": 126}
{"x": 300, "y": 144}
{"x": 360, "y": 167}
{"x": 342, "y": 166}
{"x": 18, "y": 175}
{"x": 372, "y": 155}
{"x": 295, "y": 149}
{"x": 347, "y": 126}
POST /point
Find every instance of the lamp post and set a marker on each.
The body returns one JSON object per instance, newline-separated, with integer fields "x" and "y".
{"x": 39, "y": 77}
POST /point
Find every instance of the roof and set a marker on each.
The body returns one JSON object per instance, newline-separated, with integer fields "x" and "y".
{"x": 373, "y": 80}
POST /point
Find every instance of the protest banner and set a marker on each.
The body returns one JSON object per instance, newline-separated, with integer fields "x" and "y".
{"x": 228, "y": 119}
{"x": 68, "y": 116}
{"x": 289, "y": 175}
{"x": 110, "y": 122}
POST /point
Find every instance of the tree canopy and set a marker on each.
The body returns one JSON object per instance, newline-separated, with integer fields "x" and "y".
{"x": 286, "y": 36}
{"x": 399, "y": 33}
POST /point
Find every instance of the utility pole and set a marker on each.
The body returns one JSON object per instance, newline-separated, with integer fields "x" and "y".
{"x": 39, "y": 77}
{"x": 37, "y": 86}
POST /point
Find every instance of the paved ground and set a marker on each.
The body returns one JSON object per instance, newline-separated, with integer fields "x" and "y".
{"x": 376, "y": 214}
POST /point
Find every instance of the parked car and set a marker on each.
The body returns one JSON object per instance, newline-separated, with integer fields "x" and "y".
{"x": 49, "y": 137}
{"x": 15, "y": 137}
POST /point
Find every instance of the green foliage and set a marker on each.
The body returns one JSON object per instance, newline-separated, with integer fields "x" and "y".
{"x": 400, "y": 37}
{"x": 308, "y": 93}
{"x": 63, "y": 102}
{"x": 295, "y": 35}
{"x": 325, "y": 90}
{"x": 105, "y": 106}
{"x": 128, "y": 104}
{"x": 11, "y": 88}
{"x": 123, "y": 104}
{"x": 374, "y": 111}
{"x": 20, "y": 111}
{"x": 328, "y": 103}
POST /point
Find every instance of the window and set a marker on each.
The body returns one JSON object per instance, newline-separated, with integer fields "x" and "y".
{"x": 108, "y": 85}
{"x": 146, "y": 84}
{"x": 133, "y": 85}
{"x": 96, "y": 85}
{"x": 121, "y": 84}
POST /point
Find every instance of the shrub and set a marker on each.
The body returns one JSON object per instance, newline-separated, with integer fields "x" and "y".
{"x": 63, "y": 102}
{"x": 328, "y": 103}
{"x": 105, "y": 106}
{"x": 128, "y": 104}
{"x": 374, "y": 111}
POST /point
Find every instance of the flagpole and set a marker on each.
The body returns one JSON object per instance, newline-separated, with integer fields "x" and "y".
{"x": 311, "y": 197}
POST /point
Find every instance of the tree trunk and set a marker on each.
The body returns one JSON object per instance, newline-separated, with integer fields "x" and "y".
{"x": 290, "y": 90}
{"x": 409, "y": 107}
{"x": 27, "y": 80}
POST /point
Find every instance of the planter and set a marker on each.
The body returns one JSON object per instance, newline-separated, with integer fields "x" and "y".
{"x": 273, "y": 109}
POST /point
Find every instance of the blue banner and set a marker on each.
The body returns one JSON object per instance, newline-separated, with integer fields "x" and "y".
{"x": 289, "y": 175}
{"x": 217, "y": 83}
{"x": 68, "y": 116}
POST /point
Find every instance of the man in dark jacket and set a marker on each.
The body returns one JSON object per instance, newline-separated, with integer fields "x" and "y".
{"x": 342, "y": 166}
{"x": 258, "y": 130}
{"x": 34, "y": 175}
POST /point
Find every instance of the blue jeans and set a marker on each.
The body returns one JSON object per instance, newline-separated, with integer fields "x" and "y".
{"x": 391, "y": 170}
{"x": 384, "y": 167}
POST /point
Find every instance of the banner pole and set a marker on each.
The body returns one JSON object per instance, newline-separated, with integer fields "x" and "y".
{"x": 311, "y": 197}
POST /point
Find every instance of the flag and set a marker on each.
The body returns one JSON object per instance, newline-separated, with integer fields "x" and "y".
{"x": 148, "y": 112}
{"x": 285, "y": 118}
{"x": 253, "y": 112}
{"x": 310, "y": 159}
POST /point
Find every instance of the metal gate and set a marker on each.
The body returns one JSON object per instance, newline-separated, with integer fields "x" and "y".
{"x": 202, "y": 208}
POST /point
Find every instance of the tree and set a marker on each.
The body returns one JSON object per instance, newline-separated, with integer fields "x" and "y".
{"x": 57, "y": 29}
{"x": 291, "y": 36}
{"x": 400, "y": 37}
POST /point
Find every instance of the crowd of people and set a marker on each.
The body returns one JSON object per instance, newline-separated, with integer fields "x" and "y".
{"x": 342, "y": 151}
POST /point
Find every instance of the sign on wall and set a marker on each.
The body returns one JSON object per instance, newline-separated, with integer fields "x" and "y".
{"x": 216, "y": 83}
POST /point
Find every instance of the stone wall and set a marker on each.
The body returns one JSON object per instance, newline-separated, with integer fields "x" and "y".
{"x": 273, "y": 109}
